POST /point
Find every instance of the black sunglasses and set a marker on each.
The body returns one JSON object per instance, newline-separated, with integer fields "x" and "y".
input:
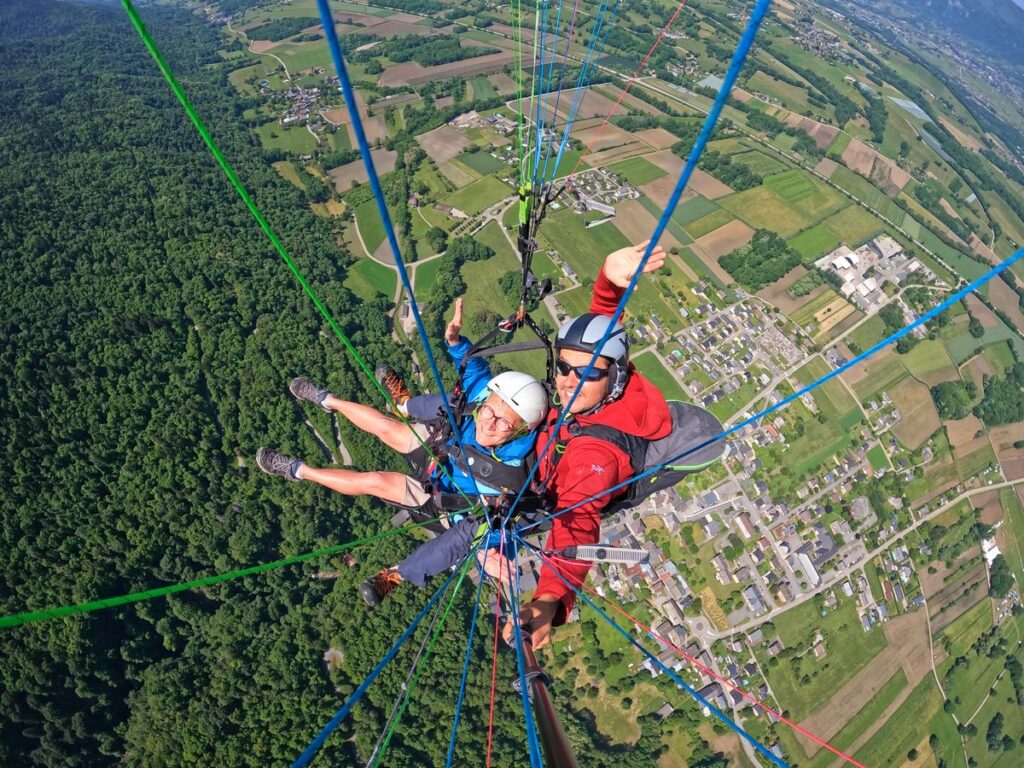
{"x": 564, "y": 369}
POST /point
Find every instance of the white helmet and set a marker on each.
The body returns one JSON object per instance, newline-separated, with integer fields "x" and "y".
{"x": 523, "y": 394}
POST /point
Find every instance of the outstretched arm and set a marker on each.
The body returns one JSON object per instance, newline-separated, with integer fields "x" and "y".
{"x": 478, "y": 372}
{"x": 617, "y": 271}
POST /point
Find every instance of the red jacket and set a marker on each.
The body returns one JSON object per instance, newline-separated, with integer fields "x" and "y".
{"x": 590, "y": 465}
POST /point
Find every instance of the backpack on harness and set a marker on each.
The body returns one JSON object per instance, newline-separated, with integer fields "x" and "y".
{"x": 690, "y": 447}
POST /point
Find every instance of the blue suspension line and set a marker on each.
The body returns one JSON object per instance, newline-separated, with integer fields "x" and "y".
{"x": 698, "y": 148}
{"x": 547, "y": 87}
{"x": 678, "y": 680}
{"x": 342, "y": 713}
{"x": 364, "y": 149}
{"x": 465, "y": 663}
{"x": 932, "y": 313}
{"x": 524, "y": 690}
{"x": 586, "y": 76}
{"x": 561, "y": 81}
{"x": 538, "y": 79}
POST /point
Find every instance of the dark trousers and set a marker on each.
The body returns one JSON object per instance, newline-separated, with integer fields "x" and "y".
{"x": 440, "y": 553}
{"x": 426, "y": 408}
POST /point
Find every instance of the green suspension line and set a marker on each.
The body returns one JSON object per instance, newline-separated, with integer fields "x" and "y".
{"x": 265, "y": 226}
{"x": 135, "y": 597}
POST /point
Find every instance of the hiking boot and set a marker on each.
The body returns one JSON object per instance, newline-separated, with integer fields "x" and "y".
{"x": 392, "y": 384}
{"x": 274, "y": 463}
{"x": 379, "y": 586}
{"x": 304, "y": 389}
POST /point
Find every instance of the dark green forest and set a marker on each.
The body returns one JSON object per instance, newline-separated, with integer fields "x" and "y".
{"x": 149, "y": 334}
{"x": 150, "y": 331}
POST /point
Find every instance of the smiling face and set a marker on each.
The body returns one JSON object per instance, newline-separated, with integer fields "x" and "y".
{"x": 496, "y": 423}
{"x": 592, "y": 392}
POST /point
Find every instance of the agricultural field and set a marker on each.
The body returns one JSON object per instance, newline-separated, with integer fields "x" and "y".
{"x": 815, "y": 242}
{"x": 763, "y": 208}
{"x": 804, "y": 683}
{"x": 832, "y": 397}
{"x": 368, "y": 278}
{"x": 875, "y": 375}
{"x": 479, "y": 161}
{"x": 296, "y": 140}
{"x": 371, "y": 228}
{"x": 853, "y": 226}
{"x": 759, "y": 162}
{"x": 708, "y": 223}
{"x": 929, "y": 362}
{"x": 637, "y": 171}
{"x": 479, "y": 195}
{"x": 805, "y": 193}
{"x": 663, "y": 379}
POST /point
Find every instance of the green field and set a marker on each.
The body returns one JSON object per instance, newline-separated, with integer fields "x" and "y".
{"x": 848, "y": 648}
{"x": 815, "y": 242}
{"x": 864, "y": 719}
{"x": 999, "y": 356}
{"x": 288, "y": 172}
{"x": 883, "y": 373}
{"x": 674, "y": 228}
{"x": 695, "y": 263}
{"x": 295, "y": 140}
{"x": 760, "y": 163}
{"x": 877, "y": 458}
{"x": 971, "y": 464}
{"x": 805, "y": 193}
{"x": 479, "y": 195}
{"x": 868, "y": 194}
{"x": 480, "y": 161}
{"x": 426, "y": 274}
{"x": 762, "y": 208}
{"x": 832, "y": 397}
{"x": 371, "y": 228}
{"x": 637, "y": 170}
{"x": 805, "y": 314}
{"x": 868, "y": 333}
{"x": 652, "y": 368}
{"x": 708, "y": 223}
{"x": 854, "y": 226}
{"x": 482, "y": 88}
{"x": 1013, "y": 528}
{"x": 367, "y": 278}
{"x": 962, "y": 345}
{"x": 905, "y": 729}
{"x": 929, "y": 362}
{"x": 839, "y": 145}
{"x": 695, "y": 208}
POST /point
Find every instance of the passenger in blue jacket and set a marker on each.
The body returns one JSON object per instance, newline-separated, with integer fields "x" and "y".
{"x": 498, "y": 432}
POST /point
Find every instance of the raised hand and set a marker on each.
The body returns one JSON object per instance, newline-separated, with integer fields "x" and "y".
{"x": 620, "y": 265}
{"x": 454, "y": 330}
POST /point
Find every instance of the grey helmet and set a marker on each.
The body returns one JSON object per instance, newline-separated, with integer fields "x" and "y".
{"x": 585, "y": 333}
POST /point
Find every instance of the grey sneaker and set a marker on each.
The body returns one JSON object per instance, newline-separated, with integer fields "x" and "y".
{"x": 274, "y": 463}
{"x": 304, "y": 389}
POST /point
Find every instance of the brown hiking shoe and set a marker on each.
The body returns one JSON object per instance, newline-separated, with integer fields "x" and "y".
{"x": 392, "y": 384}
{"x": 379, "y": 586}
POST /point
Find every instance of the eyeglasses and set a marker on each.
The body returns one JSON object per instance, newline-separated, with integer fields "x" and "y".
{"x": 564, "y": 369}
{"x": 501, "y": 424}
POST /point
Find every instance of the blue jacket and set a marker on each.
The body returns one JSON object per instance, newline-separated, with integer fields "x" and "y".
{"x": 474, "y": 383}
